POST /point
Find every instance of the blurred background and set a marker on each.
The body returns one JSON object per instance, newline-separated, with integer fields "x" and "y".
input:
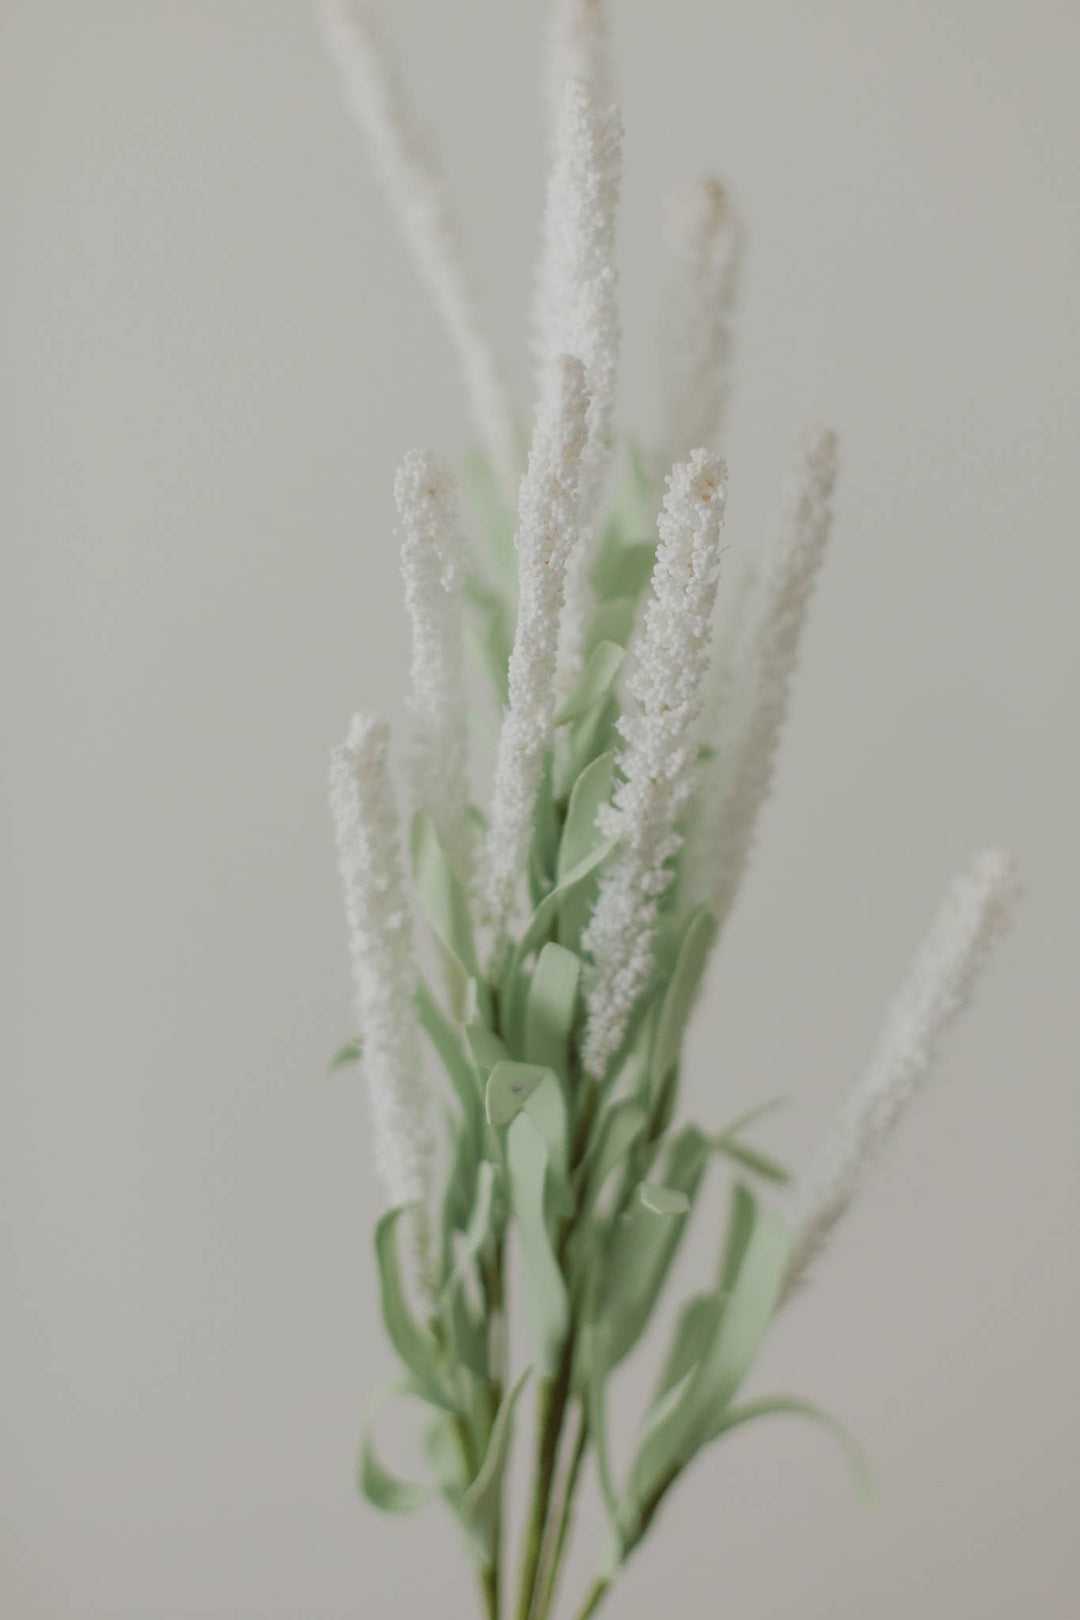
{"x": 215, "y": 354}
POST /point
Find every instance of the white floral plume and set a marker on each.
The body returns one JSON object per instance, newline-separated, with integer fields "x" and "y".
{"x": 381, "y": 945}
{"x": 434, "y": 566}
{"x": 668, "y": 670}
{"x": 977, "y": 907}
{"x": 576, "y": 312}
{"x": 405, "y": 161}
{"x": 740, "y": 776}
{"x": 702, "y": 243}
{"x": 546, "y": 534}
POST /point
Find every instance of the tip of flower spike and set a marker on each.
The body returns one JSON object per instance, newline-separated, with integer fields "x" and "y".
{"x": 700, "y": 480}
{"x": 996, "y": 873}
{"x": 423, "y": 479}
{"x": 701, "y": 210}
{"x": 368, "y": 738}
{"x": 820, "y": 448}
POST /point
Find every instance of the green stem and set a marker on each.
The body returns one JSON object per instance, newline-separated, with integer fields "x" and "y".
{"x": 554, "y": 1553}
{"x": 554, "y": 1394}
{"x": 597, "y": 1594}
{"x": 489, "y": 1590}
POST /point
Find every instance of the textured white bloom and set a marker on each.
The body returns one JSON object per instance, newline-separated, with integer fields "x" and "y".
{"x": 579, "y": 47}
{"x": 576, "y": 312}
{"x": 695, "y": 330}
{"x": 669, "y": 667}
{"x": 742, "y": 773}
{"x": 546, "y": 534}
{"x": 409, "y": 172}
{"x": 380, "y": 941}
{"x": 977, "y": 906}
{"x": 433, "y": 562}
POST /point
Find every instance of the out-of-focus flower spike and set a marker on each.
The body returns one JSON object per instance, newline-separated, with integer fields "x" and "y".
{"x": 546, "y": 535}
{"x": 576, "y": 312}
{"x": 977, "y": 907}
{"x": 757, "y": 704}
{"x": 381, "y": 945}
{"x": 703, "y": 253}
{"x": 666, "y": 682}
{"x": 579, "y": 47}
{"x": 412, "y": 180}
{"x": 434, "y": 566}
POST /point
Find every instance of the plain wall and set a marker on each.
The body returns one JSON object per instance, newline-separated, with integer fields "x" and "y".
{"x": 215, "y": 352}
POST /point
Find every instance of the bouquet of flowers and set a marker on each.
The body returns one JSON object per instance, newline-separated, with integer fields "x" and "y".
{"x": 566, "y": 927}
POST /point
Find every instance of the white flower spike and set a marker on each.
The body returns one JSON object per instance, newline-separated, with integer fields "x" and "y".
{"x": 579, "y": 47}
{"x": 434, "y": 566}
{"x": 576, "y": 312}
{"x": 547, "y": 532}
{"x": 381, "y": 945}
{"x": 977, "y": 907}
{"x": 703, "y": 251}
{"x": 405, "y": 161}
{"x": 741, "y": 773}
{"x": 670, "y": 663}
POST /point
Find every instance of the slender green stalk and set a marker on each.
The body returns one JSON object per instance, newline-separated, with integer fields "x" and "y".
{"x": 597, "y": 1593}
{"x": 554, "y": 1395}
{"x": 554, "y": 1553}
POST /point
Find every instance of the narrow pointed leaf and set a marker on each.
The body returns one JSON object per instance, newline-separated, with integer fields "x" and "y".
{"x": 383, "y": 1489}
{"x": 413, "y": 1344}
{"x": 551, "y": 1006}
{"x": 481, "y": 1501}
{"x": 596, "y": 682}
{"x": 546, "y": 1299}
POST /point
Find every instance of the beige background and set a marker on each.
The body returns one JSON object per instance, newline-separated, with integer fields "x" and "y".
{"x": 215, "y": 353}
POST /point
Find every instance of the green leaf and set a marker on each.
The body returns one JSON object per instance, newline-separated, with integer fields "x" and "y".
{"x": 681, "y": 991}
{"x": 351, "y": 1052}
{"x": 740, "y": 1228}
{"x": 416, "y": 1348}
{"x": 686, "y": 1414}
{"x": 642, "y": 1248}
{"x": 509, "y": 1087}
{"x": 489, "y": 635}
{"x": 623, "y": 568}
{"x": 486, "y": 1048}
{"x": 480, "y": 1506}
{"x": 613, "y": 621}
{"x": 619, "y": 1130}
{"x": 596, "y": 682}
{"x": 382, "y": 1488}
{"x": 442, "y": 895}
{"x": 580, "y": 835}
{"x": 546, "y": 1299}
{"x": 514, "y": 1088}
{"x": 694, "y": 1330}
{"x": 543, "y": 917}
{"x": 446, "y": 1039}
{"x": 759, "y": 1164}
{"x": 736, "y": 1126}
{"x": 480, "y": 1220}
{"x": 580, "y": 831}
{"x": 594, "y": 1362}
{"x": 551, "y": 1006}
{"x": 793, "y": 1406}
{"x": 663, "y": 1201}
